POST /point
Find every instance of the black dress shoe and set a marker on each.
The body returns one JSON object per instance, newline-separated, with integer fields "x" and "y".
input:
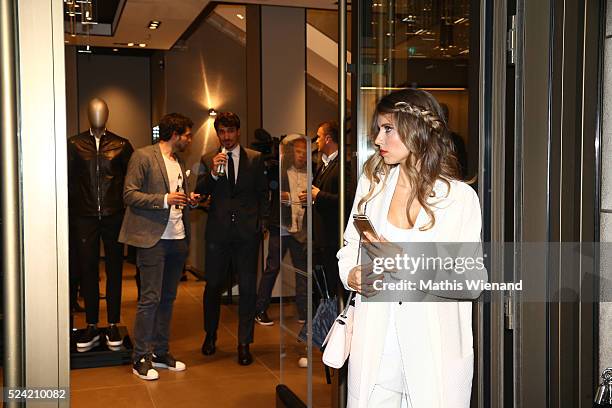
{"x": 208, "y": 347}
{"x": 244, "y": 355}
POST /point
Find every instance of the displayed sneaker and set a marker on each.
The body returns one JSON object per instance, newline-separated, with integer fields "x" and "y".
{"x": 263, "y": 319}
{"x": 169, "y": 362}
{"x": 90, "y": 337}
{"x": 144, "y": 369}
{"x": 113, "y": 337}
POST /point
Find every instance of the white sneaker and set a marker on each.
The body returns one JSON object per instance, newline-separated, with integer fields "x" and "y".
{"x": 144, "y": 370}
{"x": 169, "y": 362}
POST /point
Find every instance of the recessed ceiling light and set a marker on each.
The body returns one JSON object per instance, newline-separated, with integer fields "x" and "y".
{"x": 240, "y": 16}
{"x": 154, "y": 24}
{"x": 142, "y": 45}
{"x": 130, "y": 44}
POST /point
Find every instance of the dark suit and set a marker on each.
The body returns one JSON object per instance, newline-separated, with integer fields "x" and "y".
{"x": 233, "y": 235}
{"x": 326, "y": 232}
{"x": 160, "y": 261}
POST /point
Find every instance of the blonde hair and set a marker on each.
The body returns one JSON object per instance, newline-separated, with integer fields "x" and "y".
{"x": 423, "y": 130}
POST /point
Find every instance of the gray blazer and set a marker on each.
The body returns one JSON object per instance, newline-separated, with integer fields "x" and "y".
{"x": 146, "y": 183}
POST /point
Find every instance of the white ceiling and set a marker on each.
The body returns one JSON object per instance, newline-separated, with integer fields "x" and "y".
{"x": 176, "y": 16}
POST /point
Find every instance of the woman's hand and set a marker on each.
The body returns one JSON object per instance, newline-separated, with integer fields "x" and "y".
{"x": 361, "y": 279}
{"x": 380, "y": 247}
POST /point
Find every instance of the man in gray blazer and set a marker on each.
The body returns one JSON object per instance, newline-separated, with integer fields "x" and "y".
{"x": 157, "y": 223}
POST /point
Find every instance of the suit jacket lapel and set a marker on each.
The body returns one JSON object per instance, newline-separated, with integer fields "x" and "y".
{"x": 162, "y": 165}
{"x": 323, "y": 170}
{"x": 242, "y": 165}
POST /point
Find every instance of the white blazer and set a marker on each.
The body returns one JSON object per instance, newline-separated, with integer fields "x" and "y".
{"x": 436, "y": 337}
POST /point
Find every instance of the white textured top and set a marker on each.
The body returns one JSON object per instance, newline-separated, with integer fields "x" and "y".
{"x": 175, "y": 229}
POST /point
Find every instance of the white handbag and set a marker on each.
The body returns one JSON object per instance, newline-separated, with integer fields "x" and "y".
{"x": 337, "y": 344}
{"x": 338, "y": 341}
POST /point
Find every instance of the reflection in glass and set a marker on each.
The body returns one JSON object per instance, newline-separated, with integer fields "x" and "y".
{"x": 295, "y": 252}
{"x": 415, "y": 44}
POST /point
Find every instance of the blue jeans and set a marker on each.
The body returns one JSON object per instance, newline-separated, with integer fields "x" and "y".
{"x": 160, "y": 270}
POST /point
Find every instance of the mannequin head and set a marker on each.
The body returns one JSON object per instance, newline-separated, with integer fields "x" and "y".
{"x": 97, "y": 112}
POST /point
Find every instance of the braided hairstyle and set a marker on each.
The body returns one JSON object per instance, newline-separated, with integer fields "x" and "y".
{"x": 418, "y": 119}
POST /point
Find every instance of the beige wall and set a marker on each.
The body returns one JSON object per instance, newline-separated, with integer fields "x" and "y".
{"x": 208, "y": 71}
{"x": 283, "y": 70}
{"x": 124, "y": 83}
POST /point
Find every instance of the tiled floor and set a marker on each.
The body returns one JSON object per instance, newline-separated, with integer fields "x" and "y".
{"x": 215, "y": 381}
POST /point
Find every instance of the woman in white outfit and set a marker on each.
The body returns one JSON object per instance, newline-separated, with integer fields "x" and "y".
{"x": 410, "y": 354}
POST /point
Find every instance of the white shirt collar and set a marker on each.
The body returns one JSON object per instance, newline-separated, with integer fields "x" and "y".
{"x": 91, "y": 132}
{"x": 327, "y": 159}
{"x": 235, "y": 151}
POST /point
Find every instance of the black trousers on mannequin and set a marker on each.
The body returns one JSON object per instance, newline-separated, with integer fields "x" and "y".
{"x": 88, "y": 232}
{"x": 73, "y": 264}
{"x": 242, "y": 257}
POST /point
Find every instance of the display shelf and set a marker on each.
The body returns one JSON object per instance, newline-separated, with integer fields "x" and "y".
{"x": 101, "y": 356}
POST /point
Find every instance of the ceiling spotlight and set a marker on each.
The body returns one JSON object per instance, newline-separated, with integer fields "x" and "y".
{"x": 212, "y": 112}
{"x": 115, "y": 49}
{"x": 154, "y": 24}
{"x": 142, "y": 45}
{"x": 240, "y": 16}
{"x": 130, "y": 44}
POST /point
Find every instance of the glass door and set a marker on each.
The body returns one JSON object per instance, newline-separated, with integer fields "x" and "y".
{"x": 291, "y": 236}
{"x": 422, "y": 44}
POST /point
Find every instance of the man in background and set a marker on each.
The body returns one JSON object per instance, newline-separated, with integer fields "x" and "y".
{"x": 325, "y": 220}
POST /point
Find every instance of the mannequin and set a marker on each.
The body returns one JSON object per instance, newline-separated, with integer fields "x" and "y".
{"x": 97, "y": 164}
{"x": 97, "y": 113}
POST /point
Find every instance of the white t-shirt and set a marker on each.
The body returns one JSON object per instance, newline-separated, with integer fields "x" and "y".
{"x": 298, "y": 182}
{"x": 175, "y": 229}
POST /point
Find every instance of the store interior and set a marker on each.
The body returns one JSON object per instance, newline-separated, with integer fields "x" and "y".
{"x": 276, "y": 66}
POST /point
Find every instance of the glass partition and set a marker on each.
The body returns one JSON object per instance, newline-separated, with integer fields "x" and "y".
{"x": 295, "y": 245}
{"x": 301, "y": 367}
